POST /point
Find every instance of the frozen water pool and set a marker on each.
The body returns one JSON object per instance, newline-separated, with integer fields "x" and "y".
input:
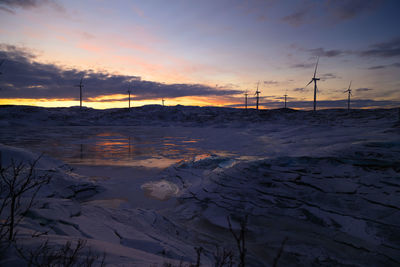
{"x": 111, "y": 146}
{"x": 123, "y": 158}
{"x": 145, "y": 146}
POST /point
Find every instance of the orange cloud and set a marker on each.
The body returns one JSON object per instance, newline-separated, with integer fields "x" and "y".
{"x": 91, "y": 47}
{"x": 120, "y": 101}
{"x": 107, "y": 97}
{"x": 134, "y": 46}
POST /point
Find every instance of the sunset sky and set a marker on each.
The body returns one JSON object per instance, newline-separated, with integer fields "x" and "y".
{"x": 204, "y": 52}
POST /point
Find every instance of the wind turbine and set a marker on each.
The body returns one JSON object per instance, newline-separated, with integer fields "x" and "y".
{"x": 1, "y": 63}
{"x": 314, "y": 79}
{"x": 163, "y": 101}
{"x": 348, "y": 97}
{"x": 80, "y": 85}
{"x": 129, "y": 99}
{"x": 285, "y": 95}
{"x": 258, "y": 94}
{"x": 245, "y": 98}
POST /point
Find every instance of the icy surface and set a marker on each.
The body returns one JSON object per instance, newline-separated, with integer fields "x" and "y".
{"x": 161, "y": 190}
{"x": 329, "y": 182}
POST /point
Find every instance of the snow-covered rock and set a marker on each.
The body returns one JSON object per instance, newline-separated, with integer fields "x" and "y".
{"x": 328, "y": 182}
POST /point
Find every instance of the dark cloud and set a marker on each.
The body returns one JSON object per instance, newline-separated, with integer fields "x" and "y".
{"x": 394, "y": 65}
{"x": 10, "y": 5}
{"x": 349, "y": 9}
{"x": 297, "y": 18}
{"x": 303, "y": 65}
{"x": 328, "y": 76}
{"x": 4, "y": 9}
{"x": 377, "y": 67}
{"x": 302, "y": 89}
{"x": 228, "y": 86}
{"x": 270, "y": 82}
{"x": 288, "y": 98}
{"x": 364, "y": 89}
{"x": 385, "y": 49}
{"x": 23, "y": 77}
{"x": 20, "y": 3}
{"x": 330, "y": 11}
{"x": 321, "y": 52}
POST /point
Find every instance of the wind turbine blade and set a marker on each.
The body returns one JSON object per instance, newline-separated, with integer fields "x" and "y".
{"x": 350, "y": 85}
{"x": 309, "y": 83}
{"x": 316, "y": 65}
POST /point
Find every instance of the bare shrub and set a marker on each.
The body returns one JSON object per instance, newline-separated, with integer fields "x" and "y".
{"x": 19, "y": 185}
{"x": 277, "y": 257}
{"x": 68, "y": 255}
{"x": 223, "y": 257}
{"x": 240, "y": 239}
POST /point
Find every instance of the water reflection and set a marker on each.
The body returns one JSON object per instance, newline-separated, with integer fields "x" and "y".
{"x": 123, "y": 146}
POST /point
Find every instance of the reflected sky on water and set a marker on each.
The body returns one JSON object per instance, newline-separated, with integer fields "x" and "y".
{"x": 121, "y": 146}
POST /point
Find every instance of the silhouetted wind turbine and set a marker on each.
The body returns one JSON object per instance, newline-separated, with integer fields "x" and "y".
{"x": 258, "y": 94}
{"x": 80, "y": 85}
{"x": 1, "y": 63}
{"x": 129, "y": 99}
{"x": 163, "y": 101}
{"x": 314, "y": 79}
{"x": 245, "y": 99}
{"x": 285, "y": 98}
{"x": 349, "y": 94}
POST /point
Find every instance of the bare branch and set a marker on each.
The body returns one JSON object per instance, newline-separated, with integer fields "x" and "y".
{"x": 275, "y": 264}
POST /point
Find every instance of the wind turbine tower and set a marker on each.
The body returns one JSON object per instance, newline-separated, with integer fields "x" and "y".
{"x": 1, "y": 63}
{"x": 163, "y": 101}
{"x": 285, "y": 98}
{"x": 258, "y": 95}
{"x": 129, "y": 99}
{"x": 80, "y": 85}
{"x": 315, "y": 79}
{"x": 245, "y": 99}
{"x": 348, "y": 97}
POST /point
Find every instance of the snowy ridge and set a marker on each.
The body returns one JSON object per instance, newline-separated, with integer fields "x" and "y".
{"x": 329, "y": 182}
{"x": 63, "y": 211}
{"x": 345, "y": 211}
{"x": 185, "y": 115}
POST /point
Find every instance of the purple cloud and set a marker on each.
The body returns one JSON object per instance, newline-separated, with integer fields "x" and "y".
{"x": 22, "y": 77}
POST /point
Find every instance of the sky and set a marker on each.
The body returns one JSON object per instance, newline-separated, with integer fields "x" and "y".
{"x": 203, "y": 53}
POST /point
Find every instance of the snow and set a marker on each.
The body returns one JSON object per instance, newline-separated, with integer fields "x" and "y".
{"x": 150, "y": 184}
{"x": 161, "y": 190}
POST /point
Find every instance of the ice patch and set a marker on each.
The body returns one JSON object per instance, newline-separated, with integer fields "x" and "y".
{"x": 227, "y": 164}
{"x": 162, "y": 190}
